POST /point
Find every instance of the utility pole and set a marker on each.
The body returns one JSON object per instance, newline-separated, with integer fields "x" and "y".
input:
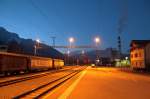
{"x": 53, "y": 41}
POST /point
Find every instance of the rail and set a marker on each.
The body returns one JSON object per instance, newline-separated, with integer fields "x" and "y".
{"x": 46, "y": 88}
{"x": 9, "y": 82}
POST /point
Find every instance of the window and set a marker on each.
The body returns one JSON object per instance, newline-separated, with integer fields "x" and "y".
{"x": 140, "y": 55}
{"x": 136, "y": 63}
{"x": 140, "y": 63}
{"x": 136, "y": 55}
{"x": 131, "y": 55}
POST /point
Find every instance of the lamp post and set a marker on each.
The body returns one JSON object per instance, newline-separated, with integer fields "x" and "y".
{"x": 97, "y": 41}
{"x": 83, "y": 57}
{"x": 126, "y": 59}
{"x": 71, "y": 40}
{"x": 68, "y": 52}
{"x": 37, "y": 42}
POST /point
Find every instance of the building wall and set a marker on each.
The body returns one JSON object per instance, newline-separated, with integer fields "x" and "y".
{"x": 147, "y": 56}
{"x": 137, "y": 57}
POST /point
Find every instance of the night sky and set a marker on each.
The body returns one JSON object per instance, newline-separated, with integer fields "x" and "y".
{"x": 81, "y": 19}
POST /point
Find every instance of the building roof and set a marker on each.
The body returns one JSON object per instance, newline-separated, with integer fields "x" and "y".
{"x": 140, "y": 42}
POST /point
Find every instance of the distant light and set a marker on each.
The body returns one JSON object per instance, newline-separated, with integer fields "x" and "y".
{"x": 68, "y": 52}
{"x": 83, "y": 51}
{"x": 98, "y": 60}
{"x": 126, "y": 58}
{"x": 71, "y": 39}
{"x": 92, "y": 64}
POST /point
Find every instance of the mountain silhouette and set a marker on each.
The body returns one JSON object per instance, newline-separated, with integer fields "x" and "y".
{"x": 26, "y": 46}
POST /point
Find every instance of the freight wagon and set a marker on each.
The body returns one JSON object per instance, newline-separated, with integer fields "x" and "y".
{"x": 58, "y": 63}
{"x": 39, "y": 63}
{"x": 15, "y": 63}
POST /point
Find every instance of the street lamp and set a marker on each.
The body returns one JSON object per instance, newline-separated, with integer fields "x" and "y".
{"x": 71, "y": 40}
{"x": 126, "y": 59}
{"x": 37, "y": 41}
{"x": 68, "y": 52}
{"x": 97, "y": 41}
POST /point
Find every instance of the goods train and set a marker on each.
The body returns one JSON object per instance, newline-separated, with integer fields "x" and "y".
{"x": 16, "y": 63}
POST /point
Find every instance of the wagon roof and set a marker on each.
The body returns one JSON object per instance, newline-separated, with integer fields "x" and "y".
{"x": 21, "y": 55}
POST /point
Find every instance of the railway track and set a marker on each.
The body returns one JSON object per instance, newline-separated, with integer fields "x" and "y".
{"x": 46, "y": 88}
{"x": 9, "y": 82}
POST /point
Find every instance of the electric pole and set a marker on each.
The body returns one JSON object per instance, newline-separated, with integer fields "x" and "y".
{"x": 53, "y": 41}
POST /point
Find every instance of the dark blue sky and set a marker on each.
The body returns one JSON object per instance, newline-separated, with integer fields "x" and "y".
{"x": 82, "y": 19}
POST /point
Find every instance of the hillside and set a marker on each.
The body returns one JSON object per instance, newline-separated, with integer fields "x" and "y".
{"x": 26, "y": 46}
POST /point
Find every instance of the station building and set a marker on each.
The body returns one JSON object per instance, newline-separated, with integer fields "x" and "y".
{"x": 140, "y": 54}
